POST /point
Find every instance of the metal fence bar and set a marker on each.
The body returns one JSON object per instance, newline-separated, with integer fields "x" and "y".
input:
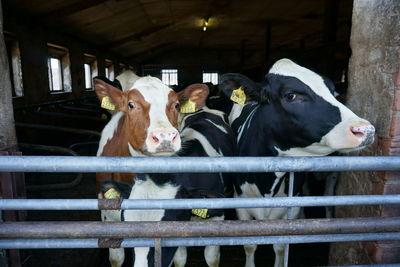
{"x": 371, "y": 265}
{"x": 191, "y": 164}
{"x": 196, "y": 229}
{"x": 289, "y": 216}
{"x": 217, "y": 203}
{"x": 193, "y": 242}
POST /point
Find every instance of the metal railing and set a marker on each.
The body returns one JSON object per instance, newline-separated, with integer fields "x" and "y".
{"x": 47, "y": 235}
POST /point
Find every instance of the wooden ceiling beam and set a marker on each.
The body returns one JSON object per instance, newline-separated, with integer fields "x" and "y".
{"x": 71, "y": 9}
{"x": 137, "y": 36}
{"x": 152, "y": 51}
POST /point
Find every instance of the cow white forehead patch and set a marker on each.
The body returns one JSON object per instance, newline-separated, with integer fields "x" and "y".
{"x": 152, "y": 89}
{"x": 286, "y": 67}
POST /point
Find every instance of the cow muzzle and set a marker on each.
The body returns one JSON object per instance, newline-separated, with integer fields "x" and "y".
{"x": 349, "y": 136}
{"x": 364, "y": 133}
{"x": 163, "y": 141}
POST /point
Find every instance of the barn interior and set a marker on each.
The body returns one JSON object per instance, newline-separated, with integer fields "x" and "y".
{"x": 55, "y": 48}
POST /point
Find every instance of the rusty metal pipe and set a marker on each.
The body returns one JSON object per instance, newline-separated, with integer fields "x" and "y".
{"x": 197, "y": 229}
{"x": 194, "y": 241}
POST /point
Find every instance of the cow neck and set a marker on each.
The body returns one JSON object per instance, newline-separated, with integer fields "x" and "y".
{"x": 254, "y": 139}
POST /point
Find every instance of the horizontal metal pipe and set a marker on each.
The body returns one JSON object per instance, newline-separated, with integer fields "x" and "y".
{"x": 369, "y": 265}
{"x": 196, "y": 229}
{"x": 194, "y": 164}
{"x": 205, "y": 241}
{"x": 215, "y": 203}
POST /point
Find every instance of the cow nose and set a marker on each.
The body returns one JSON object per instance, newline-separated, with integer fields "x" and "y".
{"x": 164, "y": 135}
{"x": 163, "y": 140}
{"x": 363, "y": 132}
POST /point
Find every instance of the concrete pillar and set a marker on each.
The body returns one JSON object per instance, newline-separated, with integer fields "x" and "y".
{"x": 373, "y": 93}
{"x": 8, "y": 139}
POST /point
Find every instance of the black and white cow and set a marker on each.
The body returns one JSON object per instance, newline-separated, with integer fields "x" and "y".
{"x": 291, "y": 113}
{"x": 203, "y": 133}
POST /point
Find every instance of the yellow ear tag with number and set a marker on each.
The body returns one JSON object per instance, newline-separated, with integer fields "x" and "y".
{"x": 106, "y": 103}
{"x": 202, "y": 213}
{"x": 188, "y": 107}
{"x": 112, "y": 193}
{"x": 238, "y": 96}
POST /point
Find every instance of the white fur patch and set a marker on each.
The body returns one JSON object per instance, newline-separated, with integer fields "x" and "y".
{"x": 108, "y": 131}
{"x": 133, "y": 152}
{"x": 215, "y": 112}
{"x": 127, "y": 79}
{"x": 148, "y": 190}
{"x": 235, "y": 112}
{"x": 252, "y": 191}
{"x": 190, "y": 134}
{"x": 245, "y": 126}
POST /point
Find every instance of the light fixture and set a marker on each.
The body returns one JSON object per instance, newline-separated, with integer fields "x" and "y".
{"x": 205, "y": 24}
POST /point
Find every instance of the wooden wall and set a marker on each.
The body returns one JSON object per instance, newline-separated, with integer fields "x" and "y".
{"x": 33, "y": 39}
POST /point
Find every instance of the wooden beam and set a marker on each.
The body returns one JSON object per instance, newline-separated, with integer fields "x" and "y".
{"x": 70, "y": 9}
{"x": 139, "y": 57}
{"x": 8, "y": 137}
{"x": 137, "y": 36}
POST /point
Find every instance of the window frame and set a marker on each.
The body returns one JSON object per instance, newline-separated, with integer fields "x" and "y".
{"x": 91, "y": 61}
{"x": 61, "y": 54}
{"x": 110, "y": 68}
{"x": 166, "y": 75}
{"x": 210, "y": 73}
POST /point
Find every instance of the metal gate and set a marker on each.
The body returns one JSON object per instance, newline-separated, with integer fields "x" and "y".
{"x": 21, "y": 235}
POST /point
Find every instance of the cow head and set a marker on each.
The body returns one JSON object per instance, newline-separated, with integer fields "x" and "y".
{"x": 151, "y": 112}
{"x": 301, "y": 112}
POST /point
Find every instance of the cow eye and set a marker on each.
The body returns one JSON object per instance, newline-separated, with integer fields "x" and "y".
{"x": 131, "y": 105}
{"x": 177, "y": 105}
{"x": 290, "y": 97}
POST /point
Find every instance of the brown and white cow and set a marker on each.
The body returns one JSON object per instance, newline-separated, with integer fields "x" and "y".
{"x": 145, "y": 124}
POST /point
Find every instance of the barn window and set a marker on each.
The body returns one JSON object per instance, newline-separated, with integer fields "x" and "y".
{"x": 210, "y": 77}
{"x": 110, "y": 74}
{"x": 90, "y": 68}
{"x": 169, "y": 76}
{"x": 59, "y": 69}
{"x": 14, "y": 60}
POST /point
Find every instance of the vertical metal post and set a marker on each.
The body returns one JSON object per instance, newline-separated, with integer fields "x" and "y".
{"x": 157, "y": 252}
{"x": 289, "y": 216}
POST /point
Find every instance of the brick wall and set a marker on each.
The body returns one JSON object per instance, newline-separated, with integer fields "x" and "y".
{"x": 373, "y": 93}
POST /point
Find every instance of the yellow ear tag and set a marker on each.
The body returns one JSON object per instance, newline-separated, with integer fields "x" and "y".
{"x": 106, "y": 103}
{"x": 112, "y": 193}
{"x": 238, "y": 96}
{"x": 188, "y": 107}
{"x": 202, "y": 213}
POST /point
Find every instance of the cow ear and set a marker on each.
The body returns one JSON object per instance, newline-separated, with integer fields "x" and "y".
{"x": 193, "y": 97}
{"x": 239, "y": 88}
{"x": 110, "y": 97}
